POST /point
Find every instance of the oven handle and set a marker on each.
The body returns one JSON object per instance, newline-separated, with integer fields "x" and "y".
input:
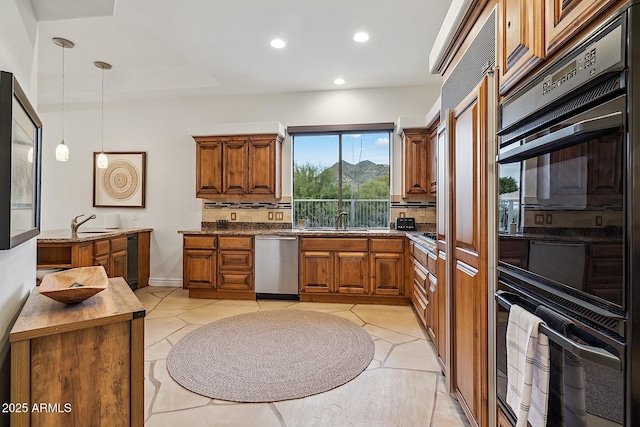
{"x": 594, "y": 354}
{"x": 570, "y": 135}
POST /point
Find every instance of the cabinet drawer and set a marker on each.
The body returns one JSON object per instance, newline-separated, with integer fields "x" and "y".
{"x": 420, "y": 255}
{"x": 387, "y": 245}
{"x": 420, "y": 303}
{"x": 334, "y": 244}
{"x": 119, "y": 244}
{"x": 101, "y": 247}
{"x": 420, "y": 278}
{"x": 200, "y": 242}
{"x": 227, "y": 242}
{"x": 235, "y": 260}
{"x": 431, "y": 262}
{"x": 236, "y": 281}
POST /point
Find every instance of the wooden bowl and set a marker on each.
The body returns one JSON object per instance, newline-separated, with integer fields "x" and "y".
{"x": 74, "y": 285}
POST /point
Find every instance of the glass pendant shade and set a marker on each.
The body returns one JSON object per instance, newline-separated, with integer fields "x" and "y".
{"x": 102, "y": 162}
{"x": 30, "y": 155}
{"x": 62, "y": 152}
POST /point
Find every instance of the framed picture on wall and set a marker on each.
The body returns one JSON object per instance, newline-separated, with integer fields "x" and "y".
{"x": 122, "y": 183}
{"x": 20, "y": 165}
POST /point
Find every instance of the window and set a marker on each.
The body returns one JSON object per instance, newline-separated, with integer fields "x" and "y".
{"x": 345, "y": 170}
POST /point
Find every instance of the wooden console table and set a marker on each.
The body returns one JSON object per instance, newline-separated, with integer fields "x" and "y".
{"x": 81, "y": 364}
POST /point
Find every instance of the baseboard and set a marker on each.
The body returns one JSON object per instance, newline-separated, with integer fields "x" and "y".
{"x": 158, "y": 281}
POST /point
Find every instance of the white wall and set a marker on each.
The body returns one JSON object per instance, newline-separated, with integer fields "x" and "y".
{"x": 161, "y": 127}
{"x": 18, "y": 54}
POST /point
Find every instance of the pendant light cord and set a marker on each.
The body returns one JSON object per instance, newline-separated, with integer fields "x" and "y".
{"x": 102, "y": 117}
{"x": 63, "y": 48}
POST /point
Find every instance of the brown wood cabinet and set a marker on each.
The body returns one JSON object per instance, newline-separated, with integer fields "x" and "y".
{"x": 90, "y": 357}
{"x": 442, "y": 224}
{"x": 416, "y": 163}
{"x": 469, "y": 251}
{"x": 521, "y": 39}
{"x": 317, "y": 272}
{"x": 425, "y": 289}
{"x": 218, "y": 266}
{"x": 443, "y": 311}
{"x": 352, "y": 273}
{"x": 433, "y": 159}
{"x": 564, "y": 19}
{"x": 109, "y": 252}
{"x": 235, "y": 263}
{"x": 232, "y": 166}
{"x": 199, "y": 262}
{"x": 370, "y": 269}
{"x": 531, "y": 31}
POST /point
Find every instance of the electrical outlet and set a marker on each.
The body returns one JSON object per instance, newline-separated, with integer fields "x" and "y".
{"x": 270, "y": 216}
{"x": 549, "y": 219}
{"x": 539, "y": 219}
{"x": 233, "y": 216}
{"x": 401, "y": 214}
{"x": 279, "y": 216}
{"x": 135, "y": 215}
{"x": 598, "y": 220}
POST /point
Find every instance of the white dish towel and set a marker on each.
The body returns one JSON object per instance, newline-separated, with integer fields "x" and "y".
{"x": 527, "y": 368}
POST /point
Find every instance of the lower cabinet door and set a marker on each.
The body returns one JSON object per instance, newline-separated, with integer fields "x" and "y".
{"x": 103, "y": 260}
{"x": 316, "y": 272}
{"x": 199, "y": 269}
{"x": 118, "y": 264}
{"x": 388, "y": 273}
{"x": 352, "y": 272}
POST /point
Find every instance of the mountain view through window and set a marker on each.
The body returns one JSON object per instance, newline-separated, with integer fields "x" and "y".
{"x": 346, "y": 172}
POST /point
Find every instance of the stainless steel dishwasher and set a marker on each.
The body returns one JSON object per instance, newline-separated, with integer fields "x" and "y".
{"x": 276, "y": 267}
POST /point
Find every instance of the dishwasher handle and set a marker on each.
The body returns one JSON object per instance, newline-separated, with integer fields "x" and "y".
{"x": 276, "y": 238}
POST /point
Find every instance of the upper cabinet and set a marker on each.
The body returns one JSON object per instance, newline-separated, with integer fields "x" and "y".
{"x": 522, "y": 39}
{"x": 531, "y": 31}
{"x": 565, "y": 18}
{"x": 419, "y": 160}
{"x": 231, "y": 166}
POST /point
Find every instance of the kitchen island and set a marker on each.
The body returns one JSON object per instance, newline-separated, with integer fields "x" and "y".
{"x": 111, "y": 248}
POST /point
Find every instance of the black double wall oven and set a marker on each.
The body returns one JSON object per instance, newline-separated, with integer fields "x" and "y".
{"x": 569, "y": 222}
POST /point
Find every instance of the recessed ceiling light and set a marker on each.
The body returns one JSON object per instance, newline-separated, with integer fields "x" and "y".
{"x": 338, "y": 81}
{"x": 361, "y": 37}
{"x": 278, "y": 43}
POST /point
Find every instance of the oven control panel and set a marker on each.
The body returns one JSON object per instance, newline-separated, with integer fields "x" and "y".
{"x": 603, "y": 52}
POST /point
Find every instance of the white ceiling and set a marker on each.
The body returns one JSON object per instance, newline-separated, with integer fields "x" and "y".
{"x": 215, "y": 47}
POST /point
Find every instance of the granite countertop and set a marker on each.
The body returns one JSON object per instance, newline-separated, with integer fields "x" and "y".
{"x": 298, "y": 232}
{"x": 413, "y": 235}
{"x": 85, "y": 234}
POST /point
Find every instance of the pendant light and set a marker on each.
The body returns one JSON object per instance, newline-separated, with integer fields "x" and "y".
{"x": 102, "y": 161}
{"x": 62, "y": 151}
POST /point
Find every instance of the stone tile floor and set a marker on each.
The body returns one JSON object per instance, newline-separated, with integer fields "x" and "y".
{"x": 403, "y": 385}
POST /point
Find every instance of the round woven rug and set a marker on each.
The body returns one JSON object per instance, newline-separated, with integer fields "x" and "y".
{"x": 271, "y": 355}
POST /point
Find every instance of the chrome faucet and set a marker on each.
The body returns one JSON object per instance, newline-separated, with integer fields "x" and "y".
{"x": 75, "y": 224}
{"x": 339, "y": 221}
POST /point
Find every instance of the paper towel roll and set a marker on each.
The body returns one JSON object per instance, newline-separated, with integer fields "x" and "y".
{"x": 112, "y": 221}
